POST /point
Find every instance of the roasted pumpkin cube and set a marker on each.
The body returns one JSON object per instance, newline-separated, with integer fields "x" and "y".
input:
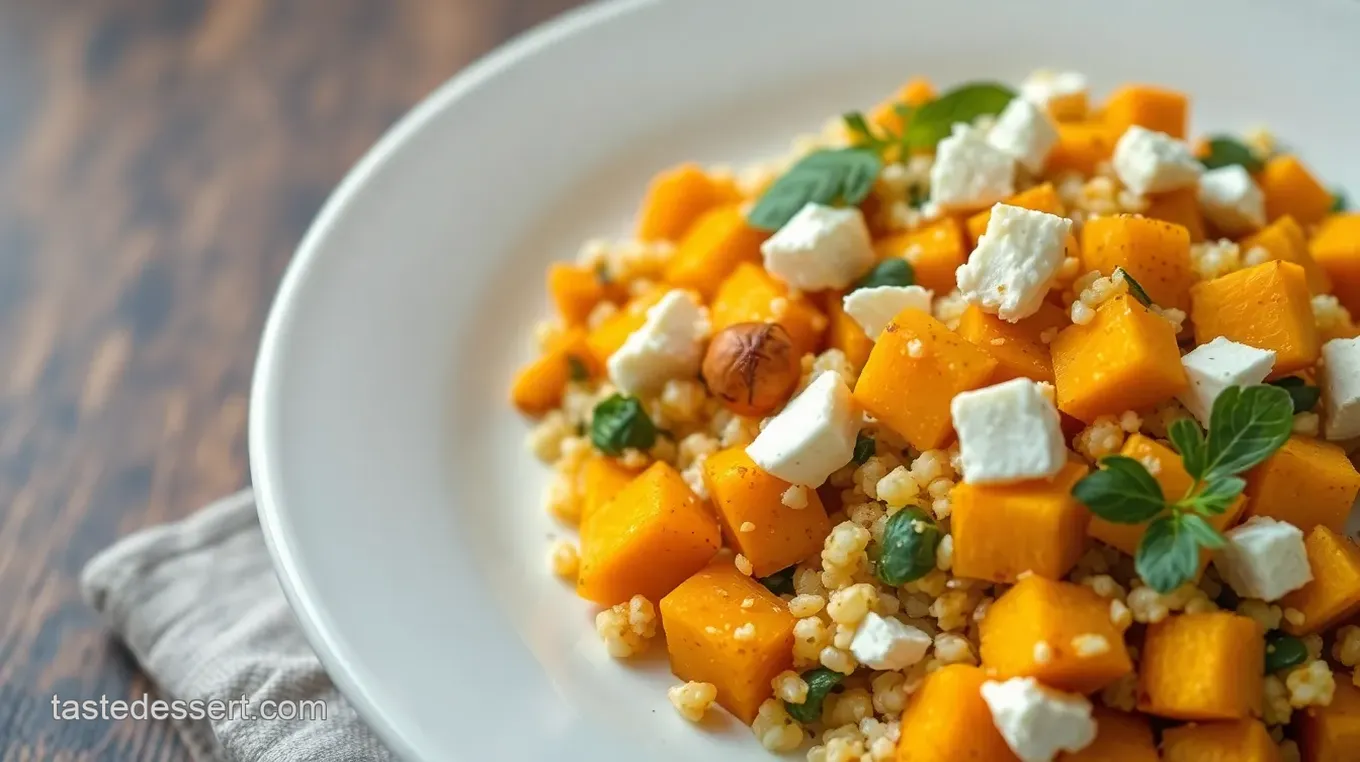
{"x": 1040, "y": 198}
{"x": 676, "y": 198}
{"x": 1126, "y": 358}
{"x": 599, "y": 480}
{"x": 1239, "y": 741}
{"x": 606, "y": 338}
{"x": 758, "y": 524}
{"x": 1334, "y": 593}
{"x": 1285, "y": 241}
{"x": 914, "y": 371}
{"x": 1202, "y": 667}
{"x": 946, "y": 719}
{"x": 1120, "y": 737}
{"x": 1307, "y": 483}
{"x": 1332, "y": 733}
{"x": 715, "y": 244}
{"x": 845, "y": 333}
{"x": 1029, "y": 632}
{"x": 934, "y": 251}
{"x": 1180, "y": 206}
{"x": 575, "y": 291}
{"x": 702, "y": 617}
{"x": 1336, "y": 249}
{"x": 1155, "y": 108}
{"x": 1155, "y": 253}
{"x": 1267, "y": 306}
{"x": 1290, "y": 188}
{"x": 651, "y": 537}
{"x": 538, "y": 387}
{"x": 1018, "y": 347}
{"x": 917, "y": 91}
{"x": 1081, "y": 146}
{"x": 1004, "y": 530}
{"x": 751, "y": 295}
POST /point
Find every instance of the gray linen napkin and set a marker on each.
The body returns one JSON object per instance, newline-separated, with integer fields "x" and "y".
{"x": 198, "y": 604}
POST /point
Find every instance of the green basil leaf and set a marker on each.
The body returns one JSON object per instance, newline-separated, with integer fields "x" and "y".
{"x": 1247, "y": 426}
{"x": 904, "y": 112}
{"x": 781, "y": 582}
{"x": 1218, "y": 493}
{"x": 827, "y": 176}
{"x": 1168, "y": 555}
{"x": 1188, "y": 438}
{"x": 620, "y": 422}
{"x": 1135, "y": 288}
{"x": 1225, "y": 152}
{"x": 861, "y": 134}
{"x": 1305, "y": 395}
{"x": 893, "y": 271}
{"x": 908, "y": 547}
{"x": 819, "y": 681}
{"x": 1284, "y": 651}
{"x": 865, "y": 447}
{"x": 1201, "y": 531}
{"x": 1339, "y": 201}
{"x": 917, "y": 196}
{"x": 1122, "y": 491}
{"x": 576, "y": 369}
{"x": 932, "y": 122}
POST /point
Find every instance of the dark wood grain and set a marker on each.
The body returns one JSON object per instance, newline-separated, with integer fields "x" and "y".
{"x": 159, "y": 161}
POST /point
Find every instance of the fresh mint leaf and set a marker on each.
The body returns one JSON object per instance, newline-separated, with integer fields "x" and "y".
{"x": 907, "y": 551}
{"x": 1247, "y": 426}
{"x": 865, "y": 447}
{"x": 893, "y": 271}
{"x": 819, "y": 681}
{"x": 1122, "y": 491}
{"x": 931, "y": 122}
{"x": 576, "y": 369}
{"x": 619, "y": 423}
{"x": 1203, "y": 533}
{"x": 1225, "y": 152}
{"x": 828, "y": 176}
{"x": 1188, "y": 438}
{"x": 1339, "y": 201}
{"x": 1305, "y": 395}
{"x": 1135, "y": 288}
{"x": 1168, "y": 554}
{"x": 781, "y": 582}
{"x": 1216, "y": 496}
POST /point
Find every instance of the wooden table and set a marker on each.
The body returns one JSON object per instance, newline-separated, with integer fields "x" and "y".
{"x": 159, "y": 161}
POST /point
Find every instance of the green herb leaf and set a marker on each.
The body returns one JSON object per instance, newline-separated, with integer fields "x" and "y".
{"x": 1284, "y": 651}
{"x": 781, "y": 582}
{"x": 1168, "y": 555}
{"x": 865, "y": 447}
{"x": 828, "y": 176}
{"x": 893, "y": 271}
{"x": 576, "y": 369}
{"x": 1218, "y": 493}
{"x": 1201, "y": 531}
{"x": 820, "y": 681}
{"x": 1135, "y": 288}
{"x": 1188, "y": 438}
{"x": 1339, "y": 201}
{"x": 862, "y": 135}
{"x": 904, "y": 112}
{"x": 602, "y": 273}
{"x": 1247, "y": 426}
{"x": 917, "y": 196}
{"x": 908, "y": 547}
{"x": 618, "y": 423}
{"x": 1305, "y": 395}
{"x": 1122, "y": 491}
{"x": 931, "y": 122}
{"x": 1225, "y": 152}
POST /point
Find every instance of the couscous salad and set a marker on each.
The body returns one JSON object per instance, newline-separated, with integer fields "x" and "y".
{"x": 990, "y": 424}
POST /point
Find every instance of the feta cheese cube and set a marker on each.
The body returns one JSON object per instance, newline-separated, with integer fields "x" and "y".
{"x": 812, "y": 436}
{"x": 1341, "y": 387}
{"x": 1024, "y": 132}
{"x": 886, "y": 643}
{"x": 1232, "y": 200}
{"x": 821, "y": 247}
{"x": 1263, "y": 558}
{"x": 1009, "y": 432}
{"x": 1038, "y": 722}
{"x": 873, "y": 308}
{"x": 1009, "y": 272}
{"x": 1217, "y": 365}
{"x": 669, "y": 344}
{"x": 1153, "y": 162}
{"x": 1046, "y": 88}
{"x": 969, "y": 173}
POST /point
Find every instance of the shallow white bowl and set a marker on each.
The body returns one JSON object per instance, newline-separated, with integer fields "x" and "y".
{"x": 399, "y": 501}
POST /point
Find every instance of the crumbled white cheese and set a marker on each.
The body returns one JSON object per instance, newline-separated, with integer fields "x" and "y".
{"x": 873, "y": 308}
{"x": 1039, "y": 722}
{"x": 1341, "y": 388}
{"x": 1217, "y": 365}
{"x": 969, "y": 173}
{"x": 1152, "y": 162}
{"x": 1015, "y": 261}
{"x": 668, "y": 345}
{"x": 821, "y": 247}
{"x": 884, "y": 643}
{"x": 1044, "y": 86}
{"x": 1007, "y": 433}
{"x": 1264, "y": 559}
{"x": 812, "y": 436}
{"x": 1024, "y": 132}
{"x": 1232, "y": 200}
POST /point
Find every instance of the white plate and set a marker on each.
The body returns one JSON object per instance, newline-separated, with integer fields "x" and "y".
{"x": 400, "y": 503}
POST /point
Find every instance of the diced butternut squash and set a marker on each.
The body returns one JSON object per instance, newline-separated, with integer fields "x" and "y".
{"x": 1018, "y": 347}
{"x": 1284, "y": 240}
{"x": 1307, "y": 483}
{"x": 1120, "y": 737}
{"x": 1332, "y": 733}
{"x": 1266, "y": 306}
{"x": 651, "y": 537}
{"x": 751, "y": 508}
{"x": 1126, "y": 358}
{"x": 676, "y": 198}
{"x": 1155, "y": 108}
{"x": 1038, "y": 610}
{"x": 1336, "y": 249}
{"x": 845, "y": 333}
{"x": 599, "y": 480}
{"x": 916, "y": 92}
{"x": 1334, "y": 593}
{"x": 1180, "y": 207}
{"x": 714, "y": 246}
{"x": 606, "y": 338}
{"x": 1155, "y": 253}
{"x": 946, "y": 719}
{"x": 701, "y": 618}
{"x": 914, "y": 371}
{"x": 1240, "y": 741}
{"x": 575, "y": 291}
{"x": 1004, "y": 530}
{"x": 1081, "y": 146}
{"x": 1040, "y": 198}
{"x": 935, "y": 253}
{"x": 751, "y": 295}
{"x": 1202, "y": 667}
{"x": 1290, "y": 188}
{"x": 538, "y": 387}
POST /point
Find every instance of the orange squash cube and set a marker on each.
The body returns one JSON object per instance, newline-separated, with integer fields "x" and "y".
{"x": 676, "y": 198}
{"x": 1267, "y": 306}
{"x": 1240, "y": 741}
{"x": 575, "y": 291}
{"x": 715, "y": 244}
{"x": 845, "y": 333}
{"x": 1120, "y": 737}
{"x": 1331, "y": 733}
{"x": 1040, "y": 198}
{"x": 1155, "y": 108}
{"x": 1202, "y": 667}
{"x": 917, "y": 91}
{"x": 606, "y": 338}
{"x": 538, "y": 387}
{"x": 599, "y": 480}
{"x": 1180, "y": 207}
{"x": 1155, "y": 253}
{"x": 1081, "y": 146}
{"x": 914, "y": 371}
{"x": 1004, "y": 530}
{"x": 1336, "y": 249}
{"x": 751, "y": 295}
{"x": 934, "y": 251}
{"x": 1126, "y": 358}
{"x": 701, "y": 618}
{"x": 1018, "y": 347}
{"x": 1038, "y": 610}
{"x": 946, "y": 719}
{"x": 1334, "y": 593}
{"x": 651, "y": 537}
{"x": 1307, "y": 483}
{"x": 1285, "y": 241}
{"x": 744, "y": 494}
{"x": 1290, "y": 188}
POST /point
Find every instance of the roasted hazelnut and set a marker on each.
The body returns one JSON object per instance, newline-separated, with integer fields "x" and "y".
{"x": 751, "y": 367}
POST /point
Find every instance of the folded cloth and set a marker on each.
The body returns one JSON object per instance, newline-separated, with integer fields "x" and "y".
{"x": 198, "y": 604}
